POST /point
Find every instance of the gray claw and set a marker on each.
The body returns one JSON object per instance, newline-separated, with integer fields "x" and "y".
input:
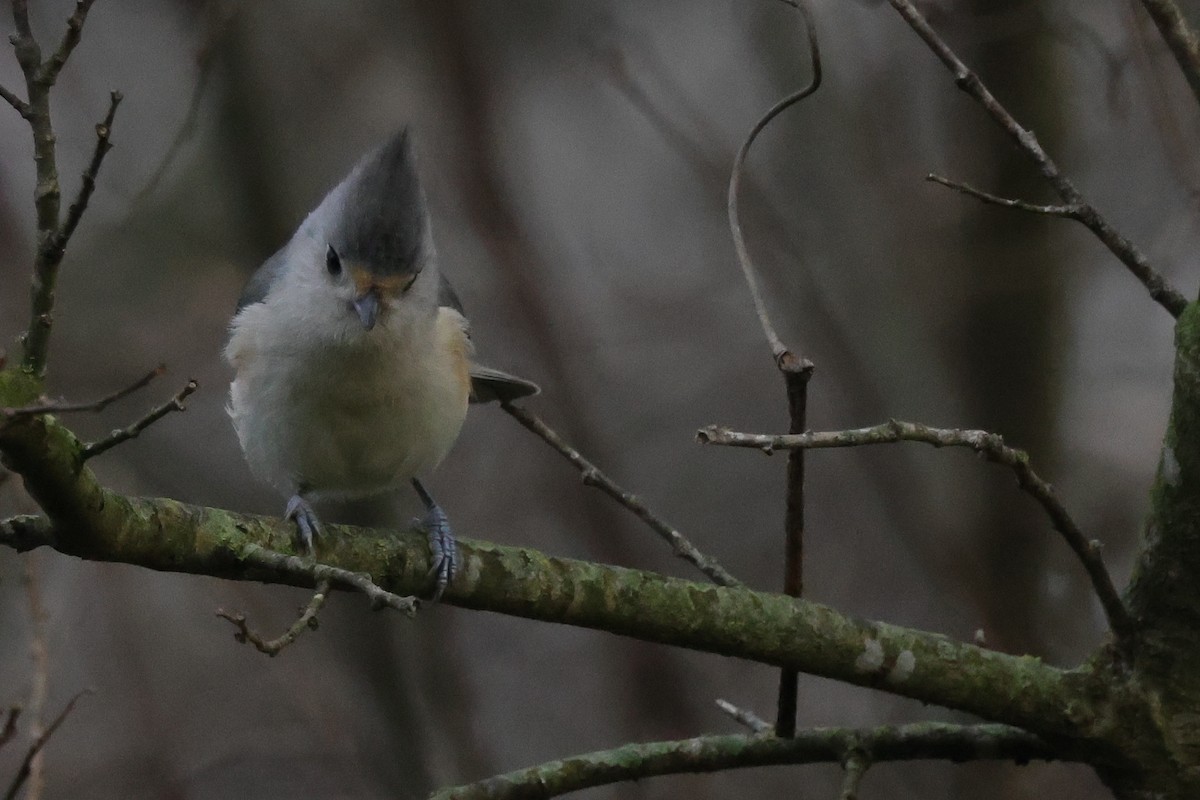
{"x": 307, "y": 524}
{"x": 442, "y": 546}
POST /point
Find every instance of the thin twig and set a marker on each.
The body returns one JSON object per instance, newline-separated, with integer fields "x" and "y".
{"x": 294, "y": 565}
{"x": 796, "y": 370}
{"x": 41, "y": 671}
{"x": 38, "y": 744}
{"x": 1133, "y": 259}
{"x": 58, "y": 59}
{"x": 88, "y": 182}
{"x": 1069, "y": 211}
{"x": 989, "y": 445}
{"x": 206, "y": 58}
{"x": 1180, "y": 38}
{"x": 62, "y": 407}
{"x": 10, "y": 725}
{"x": 778, "y": 349}
{"x": 17, "y": 103}
{"x": 715, "y": 753}
{"x": 745, "y": 716}
{"x": 93, "y": 449}
{"x": 796, "y": 376}
{"x": 855, "y": 766}
{"x": 272, "y": 647}
{"x": 39, "y": 79}
{"x": 592, "y": 476}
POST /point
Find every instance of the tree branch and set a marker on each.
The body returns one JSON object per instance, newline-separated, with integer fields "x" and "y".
{"x": 1069, "y": 212}
{"x": 592, "y": 476}
{"x": 714, "y": 753}
{"x": 1180, "y": 39}
{"x": 88, "y": 182}
{"x": 38, "y": 744}
{"x": 10, "y": 725}
{"x": 58, "y": 59}
{"x": 855, "y": 765}
{"x": 272, "y": 647}
{"x": 62, "y": 407}
{"x": 19, "y": 105}
{"x": 93, "y": 449}
{"x": 991, "y": 446}
{"x": 1160, "y": 290}
{"x": 744, "y": 716}
{"x": 735, "y": 178}
{"x": 39, "y": 79}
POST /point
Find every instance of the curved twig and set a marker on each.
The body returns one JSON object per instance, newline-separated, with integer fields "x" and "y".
{"x": 778, "y": 349}
{"x": 991, "y": 446}
{"x": 713, "y": 753}
{"x": 1134, "y": 260}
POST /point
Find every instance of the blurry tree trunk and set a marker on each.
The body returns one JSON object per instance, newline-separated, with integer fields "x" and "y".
{"x": 1007, "y": 343}
{"x": 655, "y": 682}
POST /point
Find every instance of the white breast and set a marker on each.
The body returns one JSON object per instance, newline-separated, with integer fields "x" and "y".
{"x": 351, "y": 414}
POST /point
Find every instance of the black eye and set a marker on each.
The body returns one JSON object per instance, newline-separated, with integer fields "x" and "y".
{"x": 332, "y": 262}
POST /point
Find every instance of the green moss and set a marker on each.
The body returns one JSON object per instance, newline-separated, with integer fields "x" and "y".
{"x": 18, "y": 388}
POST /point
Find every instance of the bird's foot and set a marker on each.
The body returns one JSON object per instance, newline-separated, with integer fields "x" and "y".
{"x": 442, "y": 546}
{"x": 307, "y": 524}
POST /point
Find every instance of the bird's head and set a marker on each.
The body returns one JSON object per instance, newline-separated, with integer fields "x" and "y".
{"x": 375, "y": 230}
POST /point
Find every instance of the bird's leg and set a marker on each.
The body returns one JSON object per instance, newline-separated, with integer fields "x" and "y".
{"x": 441, "y": 541}
{"x": 307, "y": 524}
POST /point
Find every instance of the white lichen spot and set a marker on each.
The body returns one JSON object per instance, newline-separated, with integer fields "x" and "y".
{"x": 871, "y": 658}
{"x": 906, "y": 662}
{"x": 1170, "y": 467}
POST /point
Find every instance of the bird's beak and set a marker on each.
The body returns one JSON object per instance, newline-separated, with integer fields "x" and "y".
{"x": 367, "y": 306}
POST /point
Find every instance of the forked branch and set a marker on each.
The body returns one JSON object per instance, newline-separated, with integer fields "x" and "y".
{"x": 1134, "y": 260}
{"x": 715, "y": 753}
{"x": 992, "y": 447}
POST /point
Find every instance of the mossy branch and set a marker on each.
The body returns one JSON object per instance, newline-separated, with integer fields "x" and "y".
{"x": 86, "y": 520}
{"x": 714, "y": 753}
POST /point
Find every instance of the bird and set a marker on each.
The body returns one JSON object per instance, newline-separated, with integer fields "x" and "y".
{"x": 352, "y": 354}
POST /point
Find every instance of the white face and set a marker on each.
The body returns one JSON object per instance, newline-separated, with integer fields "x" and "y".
{"x": 345, "y": 296}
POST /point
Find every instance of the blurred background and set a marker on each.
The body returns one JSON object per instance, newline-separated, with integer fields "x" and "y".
{"x": 576, "y": 157}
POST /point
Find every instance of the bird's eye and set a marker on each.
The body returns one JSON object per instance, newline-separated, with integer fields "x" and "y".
{"x": 332, "y": 262}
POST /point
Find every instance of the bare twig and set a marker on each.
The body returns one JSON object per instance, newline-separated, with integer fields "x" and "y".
{"x": 735, "y": 179}
{"x": 10, "y": 725}
{"x": 62, "y": 407}
{"x": 1180, "y": 38}
{"x": 120, "y": 435}
{"x": 39, "y": 79}
{"x": 796, "y": 375}
{"x": 17, "y": 103}
{"x": 272, "y": 647}
{"x": 294, "y": 565}
{"x": 38, "y": 744}
{"x": 746, "y": 717}
{"x": 796, "y": 370}
{"x": 41, "y": 671}
{"x": 1069, "y": 211}
{"x": 855, "y": 766}
{"x": 54, "y": 64}
{"x": 592, "y": 476}
{"x": 989, "y": 445}
{"x": 1133, "y": 259}
{"x": 87, "y": 183}
{"x": 714, "y": 753}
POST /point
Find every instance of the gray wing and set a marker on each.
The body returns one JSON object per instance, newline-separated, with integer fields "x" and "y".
{"x": 487, "y": 385}
{"x": 260, "y": 283}
{"x": 447, "y": 297}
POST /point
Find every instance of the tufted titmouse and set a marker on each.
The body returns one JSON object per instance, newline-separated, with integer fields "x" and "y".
{"x": 352, "y": 353}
